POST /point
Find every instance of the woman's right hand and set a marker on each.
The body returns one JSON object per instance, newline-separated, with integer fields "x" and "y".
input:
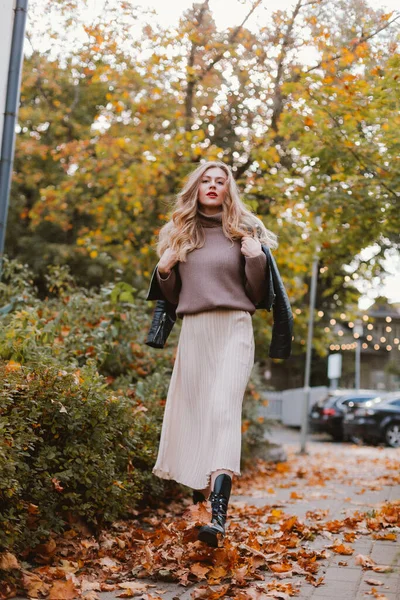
{"x": 167, "y": 261}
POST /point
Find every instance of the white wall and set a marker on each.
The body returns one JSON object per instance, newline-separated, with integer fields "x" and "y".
{"x": 292, "y": 403}
{"x": 6, "y": 25}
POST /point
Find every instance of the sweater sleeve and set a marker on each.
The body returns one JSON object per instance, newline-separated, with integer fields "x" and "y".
{"x": 255, "y": 271}
{"x": 169, "y": 286}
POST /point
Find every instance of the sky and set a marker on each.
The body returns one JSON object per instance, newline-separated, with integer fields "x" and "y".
{"x": 169, "y": 12}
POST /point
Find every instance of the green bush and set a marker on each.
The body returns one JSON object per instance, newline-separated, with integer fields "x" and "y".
{"x": 81, "y": 405}
{"x": 70, "y": 446}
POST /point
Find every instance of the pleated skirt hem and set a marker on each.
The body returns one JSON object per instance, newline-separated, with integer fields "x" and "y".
{"x": 196, "y": 485}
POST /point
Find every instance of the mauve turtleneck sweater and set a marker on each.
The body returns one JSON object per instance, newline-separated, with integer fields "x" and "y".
{"x": 216, "y": 275}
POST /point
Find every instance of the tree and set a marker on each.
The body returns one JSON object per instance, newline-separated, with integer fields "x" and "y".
{"x": 304, "y": 137}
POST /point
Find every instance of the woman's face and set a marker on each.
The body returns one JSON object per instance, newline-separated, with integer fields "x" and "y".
{"x": 212, "y": 190}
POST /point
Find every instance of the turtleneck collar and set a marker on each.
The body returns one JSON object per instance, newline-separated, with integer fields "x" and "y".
{"x": 210, "y": 220}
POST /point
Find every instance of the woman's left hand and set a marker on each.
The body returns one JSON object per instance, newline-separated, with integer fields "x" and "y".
{"x": 250, "y": 246}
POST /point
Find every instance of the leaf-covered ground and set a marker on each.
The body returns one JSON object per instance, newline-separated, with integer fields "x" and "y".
{"x": 287, "y": 522}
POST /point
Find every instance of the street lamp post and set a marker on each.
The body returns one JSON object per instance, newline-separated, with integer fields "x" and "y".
{"x": 358, "y": 331}
{"x": 307, "y": 374}
{"x": 10, "y": 115}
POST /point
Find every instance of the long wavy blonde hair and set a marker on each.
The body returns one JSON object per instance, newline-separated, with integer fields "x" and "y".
{"x": 183, "y": 232}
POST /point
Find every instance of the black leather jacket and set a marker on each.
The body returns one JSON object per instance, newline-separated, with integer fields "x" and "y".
{"x": 275, "y": 299}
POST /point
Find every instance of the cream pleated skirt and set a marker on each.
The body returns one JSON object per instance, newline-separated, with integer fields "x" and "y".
{"x": 201, "y": 430}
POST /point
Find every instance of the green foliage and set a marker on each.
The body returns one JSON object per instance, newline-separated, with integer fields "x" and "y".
{"x": 81, "y": 405}
{"x": 69, "y": 446}
{"x": 254, "y": 427}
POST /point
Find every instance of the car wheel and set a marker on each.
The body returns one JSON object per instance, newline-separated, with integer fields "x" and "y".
{"x": 337, "y": 435}
{"x": 392, "y": 435}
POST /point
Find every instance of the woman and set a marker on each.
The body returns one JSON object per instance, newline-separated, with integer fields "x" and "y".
{"x": 212, "y": 268}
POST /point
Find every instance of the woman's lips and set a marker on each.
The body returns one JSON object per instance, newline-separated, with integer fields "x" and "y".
{"x": 212, "y": 194}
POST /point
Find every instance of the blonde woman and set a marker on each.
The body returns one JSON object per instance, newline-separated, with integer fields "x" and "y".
{"x": 212, "y": 269}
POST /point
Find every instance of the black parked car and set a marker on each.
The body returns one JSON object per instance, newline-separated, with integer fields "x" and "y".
{"x": 376, "y": 421}
{"x": 326, "y": 415}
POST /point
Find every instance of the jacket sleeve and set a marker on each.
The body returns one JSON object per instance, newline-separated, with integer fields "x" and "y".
{"x": 169, "y": 286}
{"x": 282, "y": 329}
{"x": 255, "y": 272}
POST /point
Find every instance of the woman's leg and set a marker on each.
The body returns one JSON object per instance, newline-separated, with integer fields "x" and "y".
{"x": 215, "y": 474}
{"x": 207, "y": 491}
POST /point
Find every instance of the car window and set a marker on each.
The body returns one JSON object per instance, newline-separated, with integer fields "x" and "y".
{"x": 358, "y": 399}
{"x": 396, "y": 402}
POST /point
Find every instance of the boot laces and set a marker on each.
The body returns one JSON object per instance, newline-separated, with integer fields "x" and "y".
{"x": 219, "y": 505}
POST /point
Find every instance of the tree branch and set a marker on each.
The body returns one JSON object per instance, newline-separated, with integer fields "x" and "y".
{"x": 191, "y": 83}
{"x": 361, "y": 160}
{"x": 194, "y": 80}
{"x": 278, "y": 98}
{"x": 231, "y": 39}
{"x": 352, "y": 47}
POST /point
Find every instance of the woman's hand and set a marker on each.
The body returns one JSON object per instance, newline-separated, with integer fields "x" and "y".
{"x": 167, "y": 261}
{"x": 250, "y": 246}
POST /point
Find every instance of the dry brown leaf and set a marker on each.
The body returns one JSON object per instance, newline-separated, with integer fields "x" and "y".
{"x": 63, "y": 590}
{"x": 217, "y": 573}
{"x": 376, "y": 594}
{"x": 277, "y": 594}
{"x": 385, "y": 536}
{"x": 107, "y": 587}
{"x": 207, "y": 593}
{"x": 199, "y": 570}
{"x": 373, "y": 582}
{"x": 281, "y": 567}
{"x": 33, "y": 585}
{"x": 342, "y": 549}
{"x": 381, "y": 568}
{"x": 106, "y": 561}
{"x": 197, "y": 514}
{"x": 91, "y": 595}
{"x": 88, "y": 586}
{"x": 239, "y": 575}
{"x": 364, "y": 560}
{"x": 8, "y": 561}
{"x": 44, "y": 552}
{"x": 296, "y": 496}
{"x": 134, "y": 586}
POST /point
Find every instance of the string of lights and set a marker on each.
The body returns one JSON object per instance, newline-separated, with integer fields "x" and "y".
{"x": 372, "y": 341}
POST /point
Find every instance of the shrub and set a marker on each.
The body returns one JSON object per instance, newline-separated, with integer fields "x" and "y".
{"x": 254, "y": 427}
{"x": 81, "y": 405}
{"x": 70, "y": 446}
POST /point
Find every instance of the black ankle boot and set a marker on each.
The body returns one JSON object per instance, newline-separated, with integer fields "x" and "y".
{"x": 219, "y": 498}
{"x": 198, "y": 497}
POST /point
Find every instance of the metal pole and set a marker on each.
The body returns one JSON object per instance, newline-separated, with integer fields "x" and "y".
{"x": 306, "y": 399}
{"x": 358, "y": 331}
{"x": 358, "y": 365}
{"x": 10, "y": 116}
